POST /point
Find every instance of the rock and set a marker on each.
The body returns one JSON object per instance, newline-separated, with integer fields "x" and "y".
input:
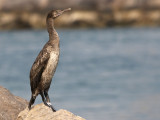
{"x": 29, "y": 14}
{"x": 42, "y": 112}
{"x": 32, "y": 5}
{"x": 10, "y": 105}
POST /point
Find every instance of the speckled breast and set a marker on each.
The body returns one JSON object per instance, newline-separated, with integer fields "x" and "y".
{"x": 50, "y": 69}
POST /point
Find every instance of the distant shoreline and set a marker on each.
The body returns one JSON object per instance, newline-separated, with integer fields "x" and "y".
{"x": 81, "y": 19}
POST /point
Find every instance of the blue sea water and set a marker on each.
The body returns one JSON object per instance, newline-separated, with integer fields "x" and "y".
{"x": 103, "y": 74}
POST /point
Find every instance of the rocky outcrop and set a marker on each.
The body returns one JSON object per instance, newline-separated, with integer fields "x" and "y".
{"x": 15, "y": 108}
{"x": 10, "y": 105}
{"x": 42, "y": 112}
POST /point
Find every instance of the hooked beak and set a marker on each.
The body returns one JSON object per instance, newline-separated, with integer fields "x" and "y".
{"x": 62, "y": 11}
{"x": 68, "y": 9}
{"x": 65, "y": 10}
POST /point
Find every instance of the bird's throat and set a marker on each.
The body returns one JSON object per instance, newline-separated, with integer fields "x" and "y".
{"x": 50, "y": 27}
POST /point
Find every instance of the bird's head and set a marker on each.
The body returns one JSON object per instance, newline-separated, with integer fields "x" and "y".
{"x": 55, "y": 13}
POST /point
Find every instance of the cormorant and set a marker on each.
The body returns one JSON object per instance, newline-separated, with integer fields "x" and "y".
{"x": 46, "y": 62}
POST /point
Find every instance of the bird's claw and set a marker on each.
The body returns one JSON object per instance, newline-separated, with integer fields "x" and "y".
{"x": 50, "y": 105}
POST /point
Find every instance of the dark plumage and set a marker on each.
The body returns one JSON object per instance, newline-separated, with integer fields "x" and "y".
{"x": 46, "y": 62}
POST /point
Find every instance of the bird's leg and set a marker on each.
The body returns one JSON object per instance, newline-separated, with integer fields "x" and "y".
{"x": 33, "y": 97}
{"x": 48, "y": 101}
{"x": 43, "y": 99}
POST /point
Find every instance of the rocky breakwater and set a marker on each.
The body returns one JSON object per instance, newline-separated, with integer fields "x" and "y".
{"x": 10, "y": 105}
{"x": 81, "y": 19}
{"x": 28, "y": 14}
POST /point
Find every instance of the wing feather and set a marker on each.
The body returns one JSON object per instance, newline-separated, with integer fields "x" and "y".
{"x": 38, "y": 68}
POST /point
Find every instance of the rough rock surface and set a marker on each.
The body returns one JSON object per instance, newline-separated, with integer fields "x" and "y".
{"x": 42, "y": 112}
{"x": 10, "y": 105}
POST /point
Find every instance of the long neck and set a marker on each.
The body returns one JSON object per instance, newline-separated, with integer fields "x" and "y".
{"x": 52, "y": 32}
